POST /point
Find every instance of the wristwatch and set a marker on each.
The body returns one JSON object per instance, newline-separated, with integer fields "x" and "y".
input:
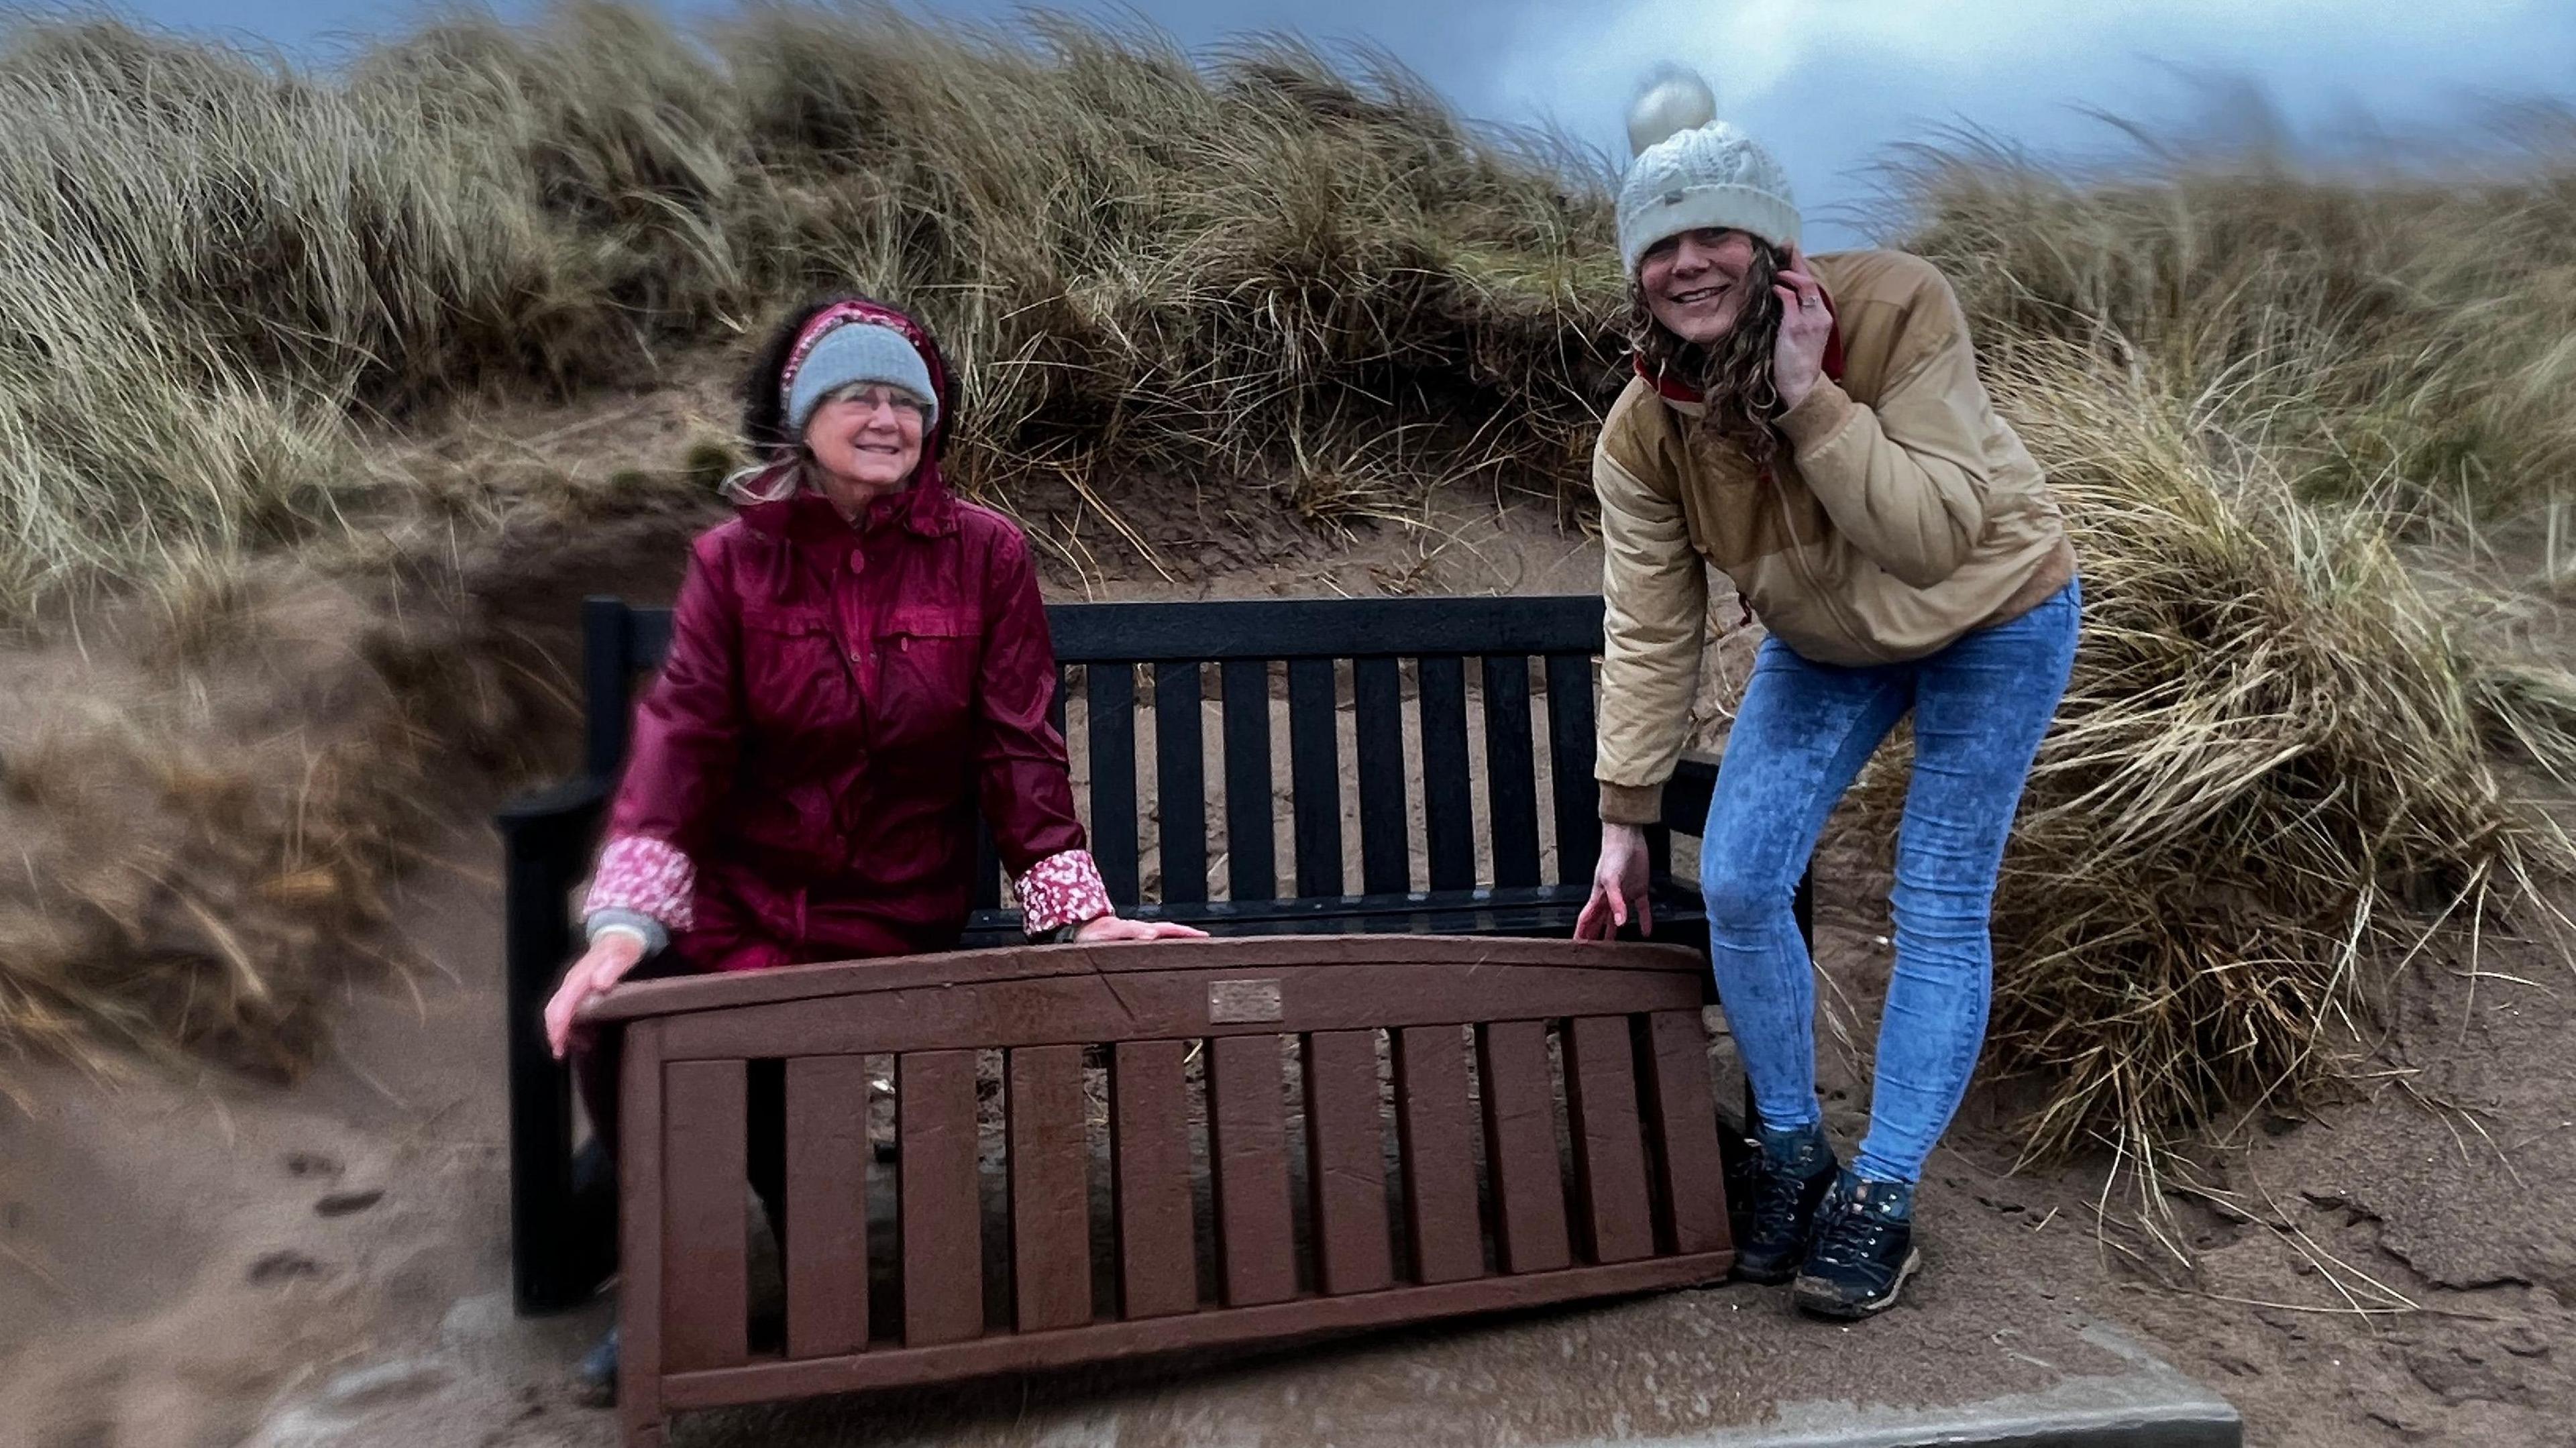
{"x": 1061, "y": 935}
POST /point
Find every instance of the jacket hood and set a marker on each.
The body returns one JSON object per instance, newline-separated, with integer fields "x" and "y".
{"x": 766, "y": 497}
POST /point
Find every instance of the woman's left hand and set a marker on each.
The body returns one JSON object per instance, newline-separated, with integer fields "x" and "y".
{"x": 1798, "y": 357}
{"x": 1101, "y": 929}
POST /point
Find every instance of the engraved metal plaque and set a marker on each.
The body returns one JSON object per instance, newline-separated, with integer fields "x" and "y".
{"x": 1243, "y": 1000}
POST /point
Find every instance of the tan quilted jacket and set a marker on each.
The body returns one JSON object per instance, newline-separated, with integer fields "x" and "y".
{"x": 1903, "y": 513}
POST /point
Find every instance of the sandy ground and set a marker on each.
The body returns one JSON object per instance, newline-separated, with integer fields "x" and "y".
{"x": 216, "y": 1260}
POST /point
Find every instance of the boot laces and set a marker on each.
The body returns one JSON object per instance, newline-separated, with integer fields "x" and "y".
{"x": 1776, "y": 1198}
{"x": 1852, "y": 1235}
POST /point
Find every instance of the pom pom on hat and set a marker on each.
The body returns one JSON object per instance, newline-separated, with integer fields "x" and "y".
{"x": 1693, "y": 171}
{"x": 1674, "y": 98}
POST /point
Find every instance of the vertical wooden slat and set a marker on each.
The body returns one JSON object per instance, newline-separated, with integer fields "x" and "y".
{"x": 1511, "y": 771}
{"x": 1149, "y": 1165}
{"x": 706, "y": 1290}
{"x": 1681, "y": 1120}
{"x": 1520, "y": 1145}
{"x": 1050, "y": 1188}
{"x": 1377, "y": 701}
{"x": 1346, "y": 1173}
{"x": 1248, "y": 1135}
{"x": 1614, "y": 1223}
{"x": 1112, "y": 697}
{"x": 1180, "y": 781}
{"x": 1252, "y": 871}
{"x": 1448, "y": 818}
{"x": 988, "y": 867}
{"x": 608, "y": 666}
{"x": 1055, "y": 707}
{"x": 827, "y": 1201}
{"x": 938, "y": 1205}
{"x": 1432, "y": 1135}
{"x": 1314, "y": 777}
{"x": 1569, "y": 751}
{"x": 640, "y": 1305}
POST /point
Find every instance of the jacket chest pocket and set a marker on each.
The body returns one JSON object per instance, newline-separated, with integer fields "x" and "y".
{"x": 927, "y": 659}
{"x": 793, "y": 675}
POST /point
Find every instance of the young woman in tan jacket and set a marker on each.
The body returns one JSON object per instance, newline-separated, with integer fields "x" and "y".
{"x": 1815, "y": 428}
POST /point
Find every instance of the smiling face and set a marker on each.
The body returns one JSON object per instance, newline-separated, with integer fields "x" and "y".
{"x": 1694, "y": 282}
{"x": 866, "y": 439}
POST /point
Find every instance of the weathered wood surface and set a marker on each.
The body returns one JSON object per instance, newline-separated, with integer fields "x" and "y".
{"x": 1220, "y": 1021}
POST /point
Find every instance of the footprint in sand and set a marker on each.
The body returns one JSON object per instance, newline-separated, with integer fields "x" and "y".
{"x": 341, "y": 1204}
{"x": 285, "y": 1265}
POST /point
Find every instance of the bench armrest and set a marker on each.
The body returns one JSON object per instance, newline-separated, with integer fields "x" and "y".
{"x": 1686, "y": 794}
{"x": 555, "y": 805}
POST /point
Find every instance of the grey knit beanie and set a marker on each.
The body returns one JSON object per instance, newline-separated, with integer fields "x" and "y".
{"x": 857, "y": 351}
{"x": 1692, "y": 170}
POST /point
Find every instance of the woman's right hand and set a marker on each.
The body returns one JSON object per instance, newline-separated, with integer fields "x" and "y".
{"x": 1618, "y": 885}
{"x": 606, "y": 963}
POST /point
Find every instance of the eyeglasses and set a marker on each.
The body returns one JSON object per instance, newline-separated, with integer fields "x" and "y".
{"x": 870, "y": 398}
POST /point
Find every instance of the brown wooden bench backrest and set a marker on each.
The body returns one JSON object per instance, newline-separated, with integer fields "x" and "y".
{"x": 1642, "y": 1205}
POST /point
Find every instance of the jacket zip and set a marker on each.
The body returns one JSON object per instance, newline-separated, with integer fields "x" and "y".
{"x": 1833, "y": 604}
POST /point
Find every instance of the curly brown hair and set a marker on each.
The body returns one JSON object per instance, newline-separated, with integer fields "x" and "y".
{"x": 1735, "y": 374}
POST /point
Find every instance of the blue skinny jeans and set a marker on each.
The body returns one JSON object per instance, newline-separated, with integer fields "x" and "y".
{"x": 1800, "y": 738}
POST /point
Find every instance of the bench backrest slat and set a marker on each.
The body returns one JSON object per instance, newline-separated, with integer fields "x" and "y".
{"x": 1435, "y": 1137}
{"x": 1386, "y": 860}
{"x": 1690, "y": 1179}
{"x": 1615, "y": 1222}
{"x": 1520, "y": 1142}
{"x": 827, "y": 1196}
{"x": 1569, "y": 749}
{"x": 1111, "y": 692}
{"x": 705, "y": 1272}
{"x": 1180, "y": 781}
{"x": 1314, "y": 776}
{"x": 1448, "y": 806}
{"x": 1050, "y": 1194}
{"x": 1386, "y": 647}
{"x": 1248, "y": 1163}
{"x": 1347, "y": 1185}
{"x": 1511, "y": 770}
{"x": 1252, "y": 866}
{"x": 939, "y": 1204}
{"x": 1149, "y": 1165}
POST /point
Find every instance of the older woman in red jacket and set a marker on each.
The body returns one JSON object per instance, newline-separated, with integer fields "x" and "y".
{"x": 859, "y": 667}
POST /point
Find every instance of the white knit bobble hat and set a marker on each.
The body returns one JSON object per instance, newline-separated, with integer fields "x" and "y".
{"x": 1692, "y": 170}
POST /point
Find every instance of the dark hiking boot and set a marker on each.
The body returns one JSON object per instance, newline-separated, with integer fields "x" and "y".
{"x": 1864, "y": 1250}
{"x": 1787, "y": 1179}
{"x": 595, "y": 1381}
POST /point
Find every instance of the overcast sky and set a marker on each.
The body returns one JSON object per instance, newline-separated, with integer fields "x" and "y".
{"x": 1830, "y": 84}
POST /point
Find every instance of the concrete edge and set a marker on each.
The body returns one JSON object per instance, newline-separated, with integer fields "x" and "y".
{"x": 2151, "y": 1405}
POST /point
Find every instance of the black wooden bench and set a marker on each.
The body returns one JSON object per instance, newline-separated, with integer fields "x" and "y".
{"x": 1373, "y": 652}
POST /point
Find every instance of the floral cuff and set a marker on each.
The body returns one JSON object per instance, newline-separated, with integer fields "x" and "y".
{"x": 645, "y": 875}
{"x": 1062, "y": 889}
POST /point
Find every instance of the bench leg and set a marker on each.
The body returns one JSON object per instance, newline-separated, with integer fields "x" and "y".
{"x": 543, "y": 852}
